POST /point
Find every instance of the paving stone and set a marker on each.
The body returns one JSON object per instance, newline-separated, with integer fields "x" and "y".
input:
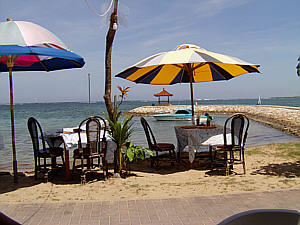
{"x": 197, "y": 210}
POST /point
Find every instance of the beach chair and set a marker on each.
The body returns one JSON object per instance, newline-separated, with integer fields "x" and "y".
{"x": 232, "y": 151}
{"x": 95, "y": 149}
{"x": 158, "y": 148}
{"x": 40, "y": 150}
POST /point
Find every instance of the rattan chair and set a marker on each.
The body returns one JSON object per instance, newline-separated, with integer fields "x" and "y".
{"x": 158, "y": 147}
{"x": 40, "y": 150}
{"x": 95, "y": 149}
{"x": 232, "y": 153}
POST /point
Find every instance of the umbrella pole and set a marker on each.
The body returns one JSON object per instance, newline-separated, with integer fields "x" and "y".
{"x": 192, "y": 101}
{"x": 13, "y": 126}
{"x": 190, "y": 72}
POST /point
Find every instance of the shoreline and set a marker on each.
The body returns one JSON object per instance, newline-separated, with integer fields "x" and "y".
{"x": 284, "y": 118}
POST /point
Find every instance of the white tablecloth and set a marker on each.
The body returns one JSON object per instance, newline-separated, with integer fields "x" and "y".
{"x": 194, "y": 138}
{"x": 71, "y": 140}
{"x": 218, "y": 140}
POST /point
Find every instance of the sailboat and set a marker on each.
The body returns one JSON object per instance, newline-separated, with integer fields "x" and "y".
{"x": 258, "y": 101}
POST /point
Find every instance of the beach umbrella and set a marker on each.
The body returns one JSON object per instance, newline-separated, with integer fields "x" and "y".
{"x": 187, "y": 64}
{"x": 25, "y": 46}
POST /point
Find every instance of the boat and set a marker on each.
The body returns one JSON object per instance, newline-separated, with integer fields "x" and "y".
{"x": 258, "y": 101}
{"x": 178, "y": 114}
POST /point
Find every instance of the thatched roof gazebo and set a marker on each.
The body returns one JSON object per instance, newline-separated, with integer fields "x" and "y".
{"x": 163, "y": 93}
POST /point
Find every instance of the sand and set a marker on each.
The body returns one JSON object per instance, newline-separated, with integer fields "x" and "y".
{"x": 270, "y": 167}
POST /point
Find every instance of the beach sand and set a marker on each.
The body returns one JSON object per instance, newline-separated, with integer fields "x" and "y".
{"x": 270, "y": 167}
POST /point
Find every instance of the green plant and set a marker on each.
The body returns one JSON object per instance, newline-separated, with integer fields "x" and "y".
{"x": 135, "y": 152}
{"x": 120, "y": 132}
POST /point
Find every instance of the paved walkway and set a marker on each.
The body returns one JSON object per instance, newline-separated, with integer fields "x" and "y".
{"x": 196, "y": 210}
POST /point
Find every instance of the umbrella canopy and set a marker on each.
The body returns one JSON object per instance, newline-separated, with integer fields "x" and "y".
{"x": 25, "y": 46}
{"x": 35, "y": 58}
{"x": 24, "y": 33}
{"x": 187, "y": 64}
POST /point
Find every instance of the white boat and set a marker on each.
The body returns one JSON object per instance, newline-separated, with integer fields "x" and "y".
{"x": 178, "y": 114}
{"x": 258, "y": 101}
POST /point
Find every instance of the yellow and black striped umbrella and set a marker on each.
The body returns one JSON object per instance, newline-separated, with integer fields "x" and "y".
{"x": 187, "y": 64}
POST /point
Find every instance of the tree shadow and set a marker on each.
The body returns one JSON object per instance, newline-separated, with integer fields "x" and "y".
{"x": 289, "y": 169}
{"x": 57, "y": 176}
{"x": 24, "y": 180}
{"x": 165, "y": 167}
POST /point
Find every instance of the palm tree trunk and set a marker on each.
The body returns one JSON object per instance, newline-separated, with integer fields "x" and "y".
{"x": 109, "y": 41}
{"x": 107, "y": 96}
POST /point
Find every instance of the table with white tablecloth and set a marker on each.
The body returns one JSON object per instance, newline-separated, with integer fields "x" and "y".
{"x": 193, "y": 137}
{"x": 69, "y": 138}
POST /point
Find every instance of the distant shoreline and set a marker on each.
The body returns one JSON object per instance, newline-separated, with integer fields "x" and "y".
{"x": 284, "y": 118}
{"x": 148, "y": 100}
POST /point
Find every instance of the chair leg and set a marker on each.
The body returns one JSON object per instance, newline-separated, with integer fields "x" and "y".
{"x": 231, "y": 160}
{"x": 83, "y": 174}
{"x": 172, "y": 156}
{"x": 53, "y": 162}
{"x": 35, "y": 169}
{"x": 83, "y": 178}
{"x": 226, "y": 169}
{"x": 156, "y": 160}
{"x": 63, "y": 160}
{"x": 243, "y": 158}
{"x": 45, "y": 162}
{"x": 152, "y": 161}
{"x": 105, "y": 169}
{"x": 210, "y": 156}
{"x": 82, "y": 164}
{"x": 74, "y": 165}
{"x": 38, "y": 163}
{"x": 226, "y": 163}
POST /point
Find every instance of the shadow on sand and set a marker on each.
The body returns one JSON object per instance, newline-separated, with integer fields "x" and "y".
{"x": 289, "y": 169}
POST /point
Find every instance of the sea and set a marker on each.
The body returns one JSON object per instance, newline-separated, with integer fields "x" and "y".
{"x": 69, "y": 114}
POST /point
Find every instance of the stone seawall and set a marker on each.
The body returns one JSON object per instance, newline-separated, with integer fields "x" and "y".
{"x": 283, "y": 118}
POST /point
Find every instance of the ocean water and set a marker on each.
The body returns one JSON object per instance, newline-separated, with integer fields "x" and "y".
{"x": 70, "y": 114}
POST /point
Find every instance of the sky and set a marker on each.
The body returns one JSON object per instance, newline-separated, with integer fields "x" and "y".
{"x": 264, "y": 32}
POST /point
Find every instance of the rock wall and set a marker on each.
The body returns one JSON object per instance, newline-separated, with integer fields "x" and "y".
{"x": 284, "y": 118}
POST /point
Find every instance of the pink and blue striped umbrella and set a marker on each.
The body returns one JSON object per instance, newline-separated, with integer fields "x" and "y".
{"x": 34, "y": 47}
{"x": 25, "y": 46}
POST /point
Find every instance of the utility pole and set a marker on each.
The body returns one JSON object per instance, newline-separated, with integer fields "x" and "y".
{"x": 89, "y": 86}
